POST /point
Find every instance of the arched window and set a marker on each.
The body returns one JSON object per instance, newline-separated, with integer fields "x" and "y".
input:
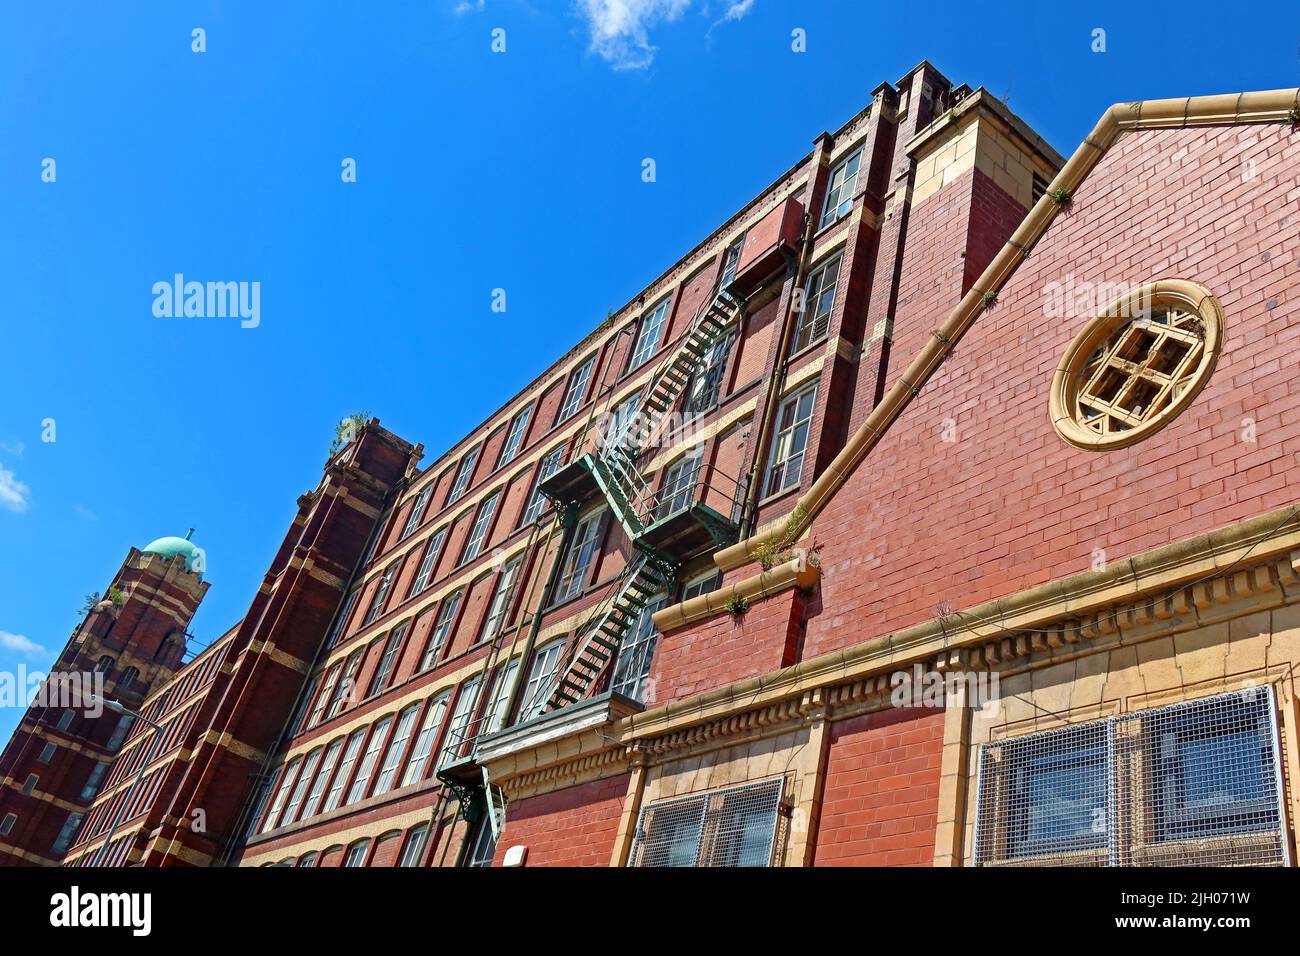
{"x": 357, "y": 853}
{"x": 105, "y": 665}
{"x": 128, "y": 677}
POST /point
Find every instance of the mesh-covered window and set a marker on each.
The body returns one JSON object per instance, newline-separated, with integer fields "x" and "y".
{"x": 1195, "y": 783}
{"x": 732, "y": 827}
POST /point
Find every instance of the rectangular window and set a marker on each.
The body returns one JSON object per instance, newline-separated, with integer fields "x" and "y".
{"x": 485, "y": 846}
{"x": 413, "y": 848}
{"x": 736, "y": 826}
{"x": 345, "y": 769}
{"x": 300, "y": 788}
{"x": 380, "y": 600}
{"x": 322, "y": 778}
{"x": 636, "y": 651}
{"x": 457, "y": 729}
{"x": 281, "y": 795}
{"x": 368, "y": 760}
{"x": 65, "y": 834}
{"x": 550, "y": 464}
{"x": 647, "y": 339}
{"x": 577, "y": 561}
{"x": 300, "y": 712}
{"x": 785, "y": 462}
{"x": 839, "y": 197}
{"x": 612, "y": 432}
{"x": 705, "y": 583}
{"x": 47, "y": 753}
{"x": 388, "y": 770}
{"x": 818, "y": 303}
{"x": 7, "y": 824}
{"x": 419, "y": 759}
{"x": 441, "y": 630}
{"x": 1190, "y": 784}
{"x": 119, "y": 732}
{"x": 463, "y": 474}
{"x": 576, "y": 389}
{"x": 499, "y": 609}
{"x": 515, "y": 437}
{"x": 326, "y": 695}
{"x": 494, "y": 718}
{"x": 417, "y": 512}
{"x": 424, "y": 576}
{"x": 678, "y": 490}
{"x": 705, "y": 388}
{"x": 91, "y": 786}
{"x": 546, "y": 664}
{"x": 730, "y": 260}
{"x": 65, "y": 719}
{"x": 346, "y": 691}
{"x": 30, "y": 785}
{"x": 478, "y": 533}
{"x": 392, "y": 650}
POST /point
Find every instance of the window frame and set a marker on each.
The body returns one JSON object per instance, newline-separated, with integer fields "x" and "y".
{"x": 814, "y": 324}
{"x": 514, "y": 439}
{"x": 586, "y": 541}
{"x": 480, "y": 529}
{"x": 842, "y": 192}
{"x": 791, "y": 402}
{"x": 575, "y": 390}
{"x": 650, "y": 333}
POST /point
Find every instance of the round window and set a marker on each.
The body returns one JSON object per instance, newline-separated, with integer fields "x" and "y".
{"x": 1137, "y": 365}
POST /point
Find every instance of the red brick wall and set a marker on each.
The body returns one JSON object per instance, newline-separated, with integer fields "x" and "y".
{"x": 725, "y": 649}
{"x": 882, "y": 790}
{"x": 1008, "y": 505}
{"x": 571, "y": 827}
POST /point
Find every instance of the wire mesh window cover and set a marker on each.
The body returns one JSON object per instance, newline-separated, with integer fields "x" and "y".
{"x": 1137, "y": 366}
{"x": 1190, "y": 784}
{"x": 736, "y": 826}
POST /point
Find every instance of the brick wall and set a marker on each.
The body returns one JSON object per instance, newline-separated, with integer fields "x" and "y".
{"x": 882, "y": 790}
{"x": 571, "y": 827}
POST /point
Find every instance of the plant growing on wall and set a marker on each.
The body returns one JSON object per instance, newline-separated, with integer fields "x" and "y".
{"x": 776, "y": 550}
{"x": 345, "y": 431}
{"x": 736, "y": 606}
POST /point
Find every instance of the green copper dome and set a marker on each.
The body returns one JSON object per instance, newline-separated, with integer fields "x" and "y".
{"x": 170, "y": 546}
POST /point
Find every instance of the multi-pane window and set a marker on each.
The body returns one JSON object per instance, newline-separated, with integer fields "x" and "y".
{"x": 357, "y": 853}
{"x": 636, "y": 652}
{"x": 340, "y": 622}
{"x": 577, "y": 560}
{"x": 478, "y": 532}
{"x": 300, "y": 712}
{"x": 65, "y": 834}
{"x": 463, "y": 473}
{"x": 839, "y": 197}
{"x": 546, "y": 664}
{"x": 417, "y": 512}
{"x": 119, "y": 732}
{"x": 424, "y": 576}
{"x": 647, "y": 339}
{"x": 515, "y": 437}
{"x": 105, "y": 665}
{"x": 300, "y": 788}
{"x": 706, "y": 384}
{"x": 413, "y": 848}
{"x": 730, "y": 260}
{"x": 281, "y": 795}
{"x": 419, "y": 759}
{"x": 1196, "y": 783}
{"x": 701, "y": 584}
{"x": 736, "y": 826}
{"x": 65, "y": 720}
{"x": 576, "y": 389}
{"x": 618, "y": 419}
{"x": 368, "y": 760}
{"x": 346, "y": 691}
{"x": 441, "y": 629}
{"x": 818, "y": 303}
{"x": 494, "y": 718}
{"x": 308, "y": 860}
{"x": 322, "y": 778}
{"x": 345, "y": 769}
{"x": 380, "y": 600}
{"x": 458, "y": 727}
{"x": 793, "y": 422}
{"x": 388, "y": 770}
{"x": 326, "y": 694}
{"x": 550, "y": 464}
{"x": 499, "y": 609}
{"x": 388, "y": 660}
{"x": 678, "y": 490}
{"x": 485, "y": 846}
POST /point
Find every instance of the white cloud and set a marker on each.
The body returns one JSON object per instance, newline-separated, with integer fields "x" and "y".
{"x": 13, "y": 493}
{"x": 735, "y": 11}
{"x": 468, "y": 6}
{"x": 85, "y": 512}
{"x": 22, "y": 645}
{"x": 15, "y": 448}
{"x": 620, "y": 28}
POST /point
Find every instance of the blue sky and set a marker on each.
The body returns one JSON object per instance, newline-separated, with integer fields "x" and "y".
{"x": 476, "y": 170}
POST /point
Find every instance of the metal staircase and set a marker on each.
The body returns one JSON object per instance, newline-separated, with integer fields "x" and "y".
{"x": 612, "y": 470}
{"x": 597, "y": 641}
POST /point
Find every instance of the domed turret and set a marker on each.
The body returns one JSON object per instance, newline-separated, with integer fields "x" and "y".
{"x": 170, "y": 545}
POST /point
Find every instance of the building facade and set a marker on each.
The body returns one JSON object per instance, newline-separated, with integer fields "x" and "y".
{"x": 937, "y": 509}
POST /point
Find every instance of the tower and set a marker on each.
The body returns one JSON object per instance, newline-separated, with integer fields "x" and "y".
{"x": 128, "y": 643}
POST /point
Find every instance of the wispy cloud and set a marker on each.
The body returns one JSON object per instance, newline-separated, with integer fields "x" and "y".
{"x": 85, "y": 512}
{"x": 14, "y": 495}
{"x": 468, "y": 6}
{"x": 21, "y": 644}
{"x": 737, "y": 10}
{"x": 15, "y": 448}
{"x": 620, "y": 28}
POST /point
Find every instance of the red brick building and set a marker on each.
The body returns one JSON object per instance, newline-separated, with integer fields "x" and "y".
{"x": 937, "y": 509}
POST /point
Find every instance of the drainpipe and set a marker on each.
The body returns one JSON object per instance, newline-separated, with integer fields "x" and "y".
{"x": 773, "y": 394}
